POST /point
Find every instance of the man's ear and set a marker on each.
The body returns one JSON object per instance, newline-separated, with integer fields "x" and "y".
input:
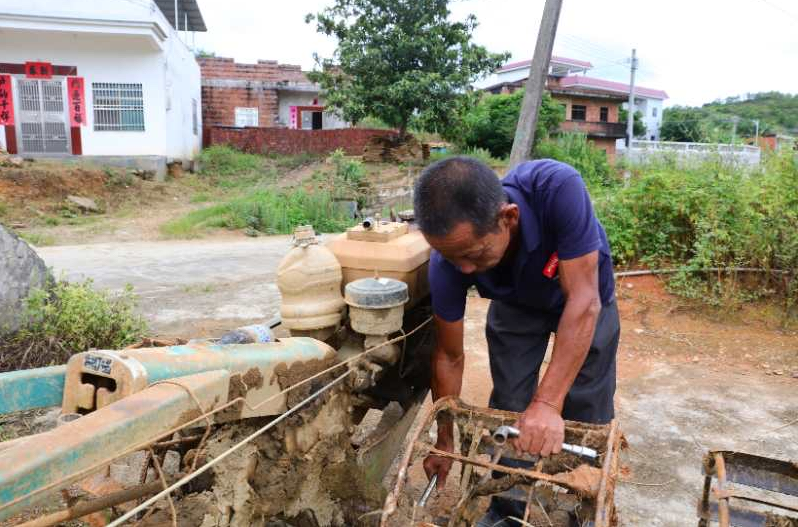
{"x": 509, "y": 214}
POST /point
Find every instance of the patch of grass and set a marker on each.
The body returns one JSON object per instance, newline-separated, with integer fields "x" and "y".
{"x": 200, "y": 197}
{"x": 118, "y": 178}
{"x": 223, "y": 160}
{"x": 265, "y": 211}
{"x": 199, "y": 288}
{"x": 70, "y": 318}
{"x": 52, "y": 221}
{"x": 37, "y": 239}
{"x": 3, "y": 209}
{"x": 288, "y": 163}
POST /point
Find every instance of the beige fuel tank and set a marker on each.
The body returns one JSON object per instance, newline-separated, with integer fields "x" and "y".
{"x": 387, "y": 249}
{"x": 309, "y": 278}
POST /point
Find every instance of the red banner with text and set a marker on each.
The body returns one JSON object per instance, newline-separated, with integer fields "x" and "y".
{"x": 38, "y": 70}
{"x": 77, "y": 101}
{"x": 6, "y": 101}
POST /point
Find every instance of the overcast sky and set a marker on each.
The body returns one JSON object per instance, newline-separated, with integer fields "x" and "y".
{"x": 695, "y": 50}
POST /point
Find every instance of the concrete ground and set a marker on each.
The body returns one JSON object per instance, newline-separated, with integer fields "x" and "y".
{"x": 193, "y": 288}
{"x": 687, "y": 380}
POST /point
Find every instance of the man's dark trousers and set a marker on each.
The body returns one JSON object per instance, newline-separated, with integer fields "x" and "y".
{"x": 517, "y": 342}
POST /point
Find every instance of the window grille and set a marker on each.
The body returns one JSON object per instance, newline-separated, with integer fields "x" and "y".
{"x": 118, "y": 107}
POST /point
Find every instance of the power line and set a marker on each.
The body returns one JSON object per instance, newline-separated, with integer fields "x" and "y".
{"x": 596, "y": 49}
{"x": 774, "y": 6}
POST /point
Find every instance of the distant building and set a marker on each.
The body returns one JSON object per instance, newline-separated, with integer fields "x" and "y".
{"x": 265, "y": 94}
{"x": 111, "y": 81}
{"x": 568, "y": 75}
{"x": 648, "y": 101}
{"x": 513, "y": 76}
{"x": 776, "y": 142}
{"x": 591, "y": 111}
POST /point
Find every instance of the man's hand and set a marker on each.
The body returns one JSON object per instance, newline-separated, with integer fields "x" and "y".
{"x": 440, "y": 465}
{"x": 542, "y": 430}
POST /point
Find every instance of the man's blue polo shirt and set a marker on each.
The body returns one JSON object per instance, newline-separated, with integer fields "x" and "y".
{"x": 556, "y": 216}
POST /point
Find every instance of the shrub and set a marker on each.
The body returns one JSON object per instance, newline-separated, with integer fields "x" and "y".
{"x": 71, "y": 318}
{"x": 580, "y": 153}
{"x": 347, "y": 170}
{"x": 709, "y": 215}
{"x": 491, "y": 123}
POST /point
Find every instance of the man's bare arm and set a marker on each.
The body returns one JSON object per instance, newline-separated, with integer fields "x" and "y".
{"x": 447, "y": 379}
{"x": 542, "y": 420}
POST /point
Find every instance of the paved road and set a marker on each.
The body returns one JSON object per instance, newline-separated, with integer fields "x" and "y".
{"x": 186, "y": 288}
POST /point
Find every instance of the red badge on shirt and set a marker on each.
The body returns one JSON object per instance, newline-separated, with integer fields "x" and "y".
{"x": 550, "y": 269}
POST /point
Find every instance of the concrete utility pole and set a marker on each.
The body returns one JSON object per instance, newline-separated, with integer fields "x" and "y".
{"x": 756, "y": 135}
{"x": 528, "y": 119}
{"x": 630, "y": 118}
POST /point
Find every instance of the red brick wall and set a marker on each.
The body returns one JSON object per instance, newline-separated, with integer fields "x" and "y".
{"x": 263, "y": 70}
{"x": 219, "y": 104}
{"x": 606, "y": 144}
{"x": 593, "y": 107}
{"x": 287, "y": 141}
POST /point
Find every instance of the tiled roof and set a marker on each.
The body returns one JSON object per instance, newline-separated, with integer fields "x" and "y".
{"x": 620, "y": 87}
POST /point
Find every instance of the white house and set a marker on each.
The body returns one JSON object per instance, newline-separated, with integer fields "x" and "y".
{"x": 110, "y": 81}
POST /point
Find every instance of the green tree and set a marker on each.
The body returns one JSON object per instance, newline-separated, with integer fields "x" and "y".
{"x": 492, "y": 121}
{"x": 638, "y": 128}
{"x": 204, "y": 53}
{"x": 684, "y": 124}
{"x": 399, "y": 59}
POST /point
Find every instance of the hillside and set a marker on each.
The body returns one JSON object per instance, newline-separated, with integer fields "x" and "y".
{"x": 776, "y": 112}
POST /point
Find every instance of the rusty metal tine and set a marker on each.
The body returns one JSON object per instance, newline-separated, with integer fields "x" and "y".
{"x": 465, "y": 477}
{"x": 392, "y": 499}
{"x": 530, "y": 495}
{"x": 723, "y": 501}
{"x": 531, "y": 474}
{"x": 609, "y": 469}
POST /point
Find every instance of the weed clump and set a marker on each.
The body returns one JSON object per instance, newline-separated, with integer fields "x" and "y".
{"x": 69, "y": 318}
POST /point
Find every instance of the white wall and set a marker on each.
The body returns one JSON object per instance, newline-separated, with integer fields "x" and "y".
{"x": 653, "y": 122}
{"x": 144, "y": 49}
{"x": 182, "y": 84}
{"x": 286, "y": 99}
{"x": 103, "y": 59}
{"x": 646, "y": 107}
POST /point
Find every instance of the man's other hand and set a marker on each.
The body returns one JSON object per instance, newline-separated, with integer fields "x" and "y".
{"x": 439, "y": 465}
{"x": 542, "y": 430}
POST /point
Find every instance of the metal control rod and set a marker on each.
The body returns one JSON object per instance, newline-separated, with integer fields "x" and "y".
{"x": 505, "y": 432}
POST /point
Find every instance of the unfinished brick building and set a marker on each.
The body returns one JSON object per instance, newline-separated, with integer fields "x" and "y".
{"x": 265, "y": 94}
